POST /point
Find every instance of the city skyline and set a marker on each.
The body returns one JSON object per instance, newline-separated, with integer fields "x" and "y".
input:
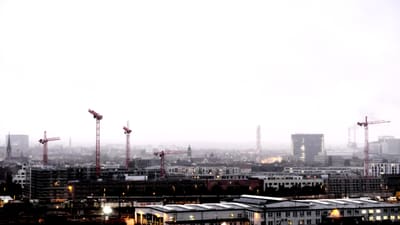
{"x": 186, "y": 72}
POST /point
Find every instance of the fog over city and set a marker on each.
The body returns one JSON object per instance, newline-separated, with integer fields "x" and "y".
{"x": 204, "y": 72}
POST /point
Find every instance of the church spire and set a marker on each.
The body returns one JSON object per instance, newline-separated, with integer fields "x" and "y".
{"x": 8, "y": 147}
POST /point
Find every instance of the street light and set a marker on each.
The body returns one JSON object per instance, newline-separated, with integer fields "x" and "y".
{"x": 107, "y": 210}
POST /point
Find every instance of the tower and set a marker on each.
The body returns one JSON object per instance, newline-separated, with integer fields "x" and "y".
{"x": 258, "y": 142}
{"x": 8, "y": 147}
{"x": 307, "y": 146}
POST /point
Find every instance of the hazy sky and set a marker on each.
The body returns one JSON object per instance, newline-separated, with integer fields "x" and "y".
{"x": 199, "y": 71}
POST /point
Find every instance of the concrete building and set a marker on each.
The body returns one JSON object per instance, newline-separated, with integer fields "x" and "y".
{"x": 354, "y": 186}
{"x": 288, "y": 181}
{"x": 262, "y": 210}
{"x": 47, "y": 183}
{"x": 307, "y": 146}
{"x": 381, "y": 169}
{"x": 323, "y": 170}
{"x": 208, "y": 214}
{"x": 21, "y": 176}
{"x": 209, "y": 171}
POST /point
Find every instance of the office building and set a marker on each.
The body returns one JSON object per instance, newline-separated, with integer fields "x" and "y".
{"x": 307, "y": 146}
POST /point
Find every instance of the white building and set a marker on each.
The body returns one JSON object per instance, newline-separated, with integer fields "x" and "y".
{"x": 288, "y": 181}
{"x": 210, "y": 172}
{"x": 21, "y": 176}
{"x": 259, "y": 210}
{"x": 379, "y": 169}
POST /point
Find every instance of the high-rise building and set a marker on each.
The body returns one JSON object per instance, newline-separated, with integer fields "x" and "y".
{"x": 390, "y": 145}
{"x": 307, "y": 146}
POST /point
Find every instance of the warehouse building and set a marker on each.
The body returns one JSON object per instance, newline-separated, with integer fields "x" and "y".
{"x": 261, "y": 210}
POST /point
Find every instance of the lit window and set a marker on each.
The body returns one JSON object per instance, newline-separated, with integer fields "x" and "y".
{"x": 385, "y": 217}
{"x": 370, "y": 211}
{"x": 392, "y": 217}
{"x": 378, "y": 211}
{"x": 398, "y": 217}
{"x": 378, "y": 218}
{"x": 371, "y": 218}
{"x": 364, "y": 211}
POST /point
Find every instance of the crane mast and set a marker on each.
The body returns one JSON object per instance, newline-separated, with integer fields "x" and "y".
{"x": 127, "y": 131}
{"x": 98, "y": 117}
{"x": 366, "y": 140}
{"x": 44, "y": 141}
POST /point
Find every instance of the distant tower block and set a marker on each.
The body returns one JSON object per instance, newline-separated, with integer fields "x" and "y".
{"x": 258, "y": 144}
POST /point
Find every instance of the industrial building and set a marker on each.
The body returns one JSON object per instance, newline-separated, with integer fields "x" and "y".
{"x": 380, "y": 169}
{"x": 307, "y": 146}
{"x": 259, "y": 210}
{"x": 347, "y": 186}
{"x": 289, "y": 181}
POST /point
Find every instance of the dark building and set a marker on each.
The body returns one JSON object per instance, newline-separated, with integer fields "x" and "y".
{"x": 355, "y": 186}
{"x": 48, "y": 184}
{"x": 307, "y": 146}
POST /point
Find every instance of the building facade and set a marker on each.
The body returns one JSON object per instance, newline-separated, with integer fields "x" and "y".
{"x": 289, "y": 181}
{"x": 262, "y": 210}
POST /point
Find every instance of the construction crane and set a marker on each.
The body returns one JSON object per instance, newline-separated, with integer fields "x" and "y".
{"x": 366, "y": 142}
{"x": 98, "y": 117}
{"x": 162, "y": 154}
{"x": 45, "y": 149}
{"x": 127, "y": 131}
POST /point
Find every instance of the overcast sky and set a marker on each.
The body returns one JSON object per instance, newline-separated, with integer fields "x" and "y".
{"x": 199, "y": 71}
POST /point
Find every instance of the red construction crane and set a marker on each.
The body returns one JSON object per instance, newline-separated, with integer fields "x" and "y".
{"x": 127, "y": 131}
{"x": 366, "y": 142}
{"x": 162, "y": 154}
{"x": 98, "y": 117}
{"x": 45, "y": 149}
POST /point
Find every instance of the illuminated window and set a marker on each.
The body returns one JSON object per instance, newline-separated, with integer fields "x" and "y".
{"x": 378, "y": 218}
{"x": 392, "y": 217}
{"x": 364, "y": 211}
{"x": 370, "y": 211}
{"x": 398, "y": 217}
{"x": 371, "y": 218}
{"x": 385, "y": 217}
{"x": 335, "y": 213}
{"x": 378, "y": 210}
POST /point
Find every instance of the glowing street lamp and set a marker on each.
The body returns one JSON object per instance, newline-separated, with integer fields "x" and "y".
{"x": 107, "y": 210}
